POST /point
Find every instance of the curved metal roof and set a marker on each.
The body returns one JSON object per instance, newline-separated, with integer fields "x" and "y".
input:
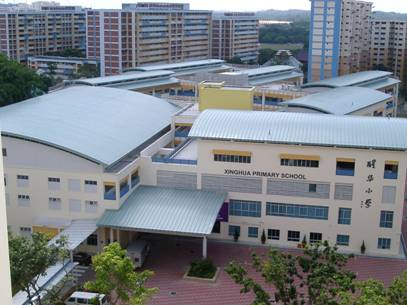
{"x": 97, "y": 123}
{"x": 344, "y": 100}
{"x": 302, "y": 128}
{"x": 353, "y": 79}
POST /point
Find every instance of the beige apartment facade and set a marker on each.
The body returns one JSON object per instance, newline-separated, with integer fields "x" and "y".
{"x": 37, "y": 32}
{"x": 139, "y": 36}
{"x": 389, "y": 46}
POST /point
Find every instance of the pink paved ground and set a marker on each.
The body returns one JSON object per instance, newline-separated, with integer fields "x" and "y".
{"x": 170, "y": 258}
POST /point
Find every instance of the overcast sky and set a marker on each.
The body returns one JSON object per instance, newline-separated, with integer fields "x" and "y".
{"x": 237, "y": 5}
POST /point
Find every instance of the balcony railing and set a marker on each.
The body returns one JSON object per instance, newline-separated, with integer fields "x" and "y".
{"x": 135, "y": 181}
{"x": 174, "y": 161}
{"x": 390, "y": 175}
{"x": 345, "y": 172}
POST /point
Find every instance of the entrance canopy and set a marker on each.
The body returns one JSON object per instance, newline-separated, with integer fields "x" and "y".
{"x": 77, "y": 232}
{"x": 166, "y": 211}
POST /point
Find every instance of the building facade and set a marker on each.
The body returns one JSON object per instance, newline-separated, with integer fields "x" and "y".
{"x": 37, "y": 32}
{"x": 340, "y": 35}
{"x": 235, "y": 34}
{"x": 144, "y": 34}
{"x": 389, "y": 46}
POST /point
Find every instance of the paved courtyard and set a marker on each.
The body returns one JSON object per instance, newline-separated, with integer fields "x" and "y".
{"x": 170, "y": 257}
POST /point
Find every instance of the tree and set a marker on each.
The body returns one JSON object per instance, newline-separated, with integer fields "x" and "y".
{"x": 87, "y": 71}
{"x": 116, "y": 278}
{"x": 18, "y": 82}
{"x": 265, "y": 55}
{"x": 235, "y": 60}
{"x": 29, "y": 260}
{"x": 67, "y": 53}
{"x": 317, "y": 277}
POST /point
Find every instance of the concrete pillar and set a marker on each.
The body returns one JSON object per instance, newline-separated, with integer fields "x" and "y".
{"x": 71, "y": 256}
{"x": 263, "y": 99}
{"x": 99, "y": 237}
{"x": 118, "y": 236}
{"x": 204, "y": 247}
{"x": 111, "y": 235}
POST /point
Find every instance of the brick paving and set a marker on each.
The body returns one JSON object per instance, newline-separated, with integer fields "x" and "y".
{"x": 170, "y": 257}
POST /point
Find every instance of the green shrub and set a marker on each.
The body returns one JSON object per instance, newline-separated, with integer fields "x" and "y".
{"x": 202, "y": 268}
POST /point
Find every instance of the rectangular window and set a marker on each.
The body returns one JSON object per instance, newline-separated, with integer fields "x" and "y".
{"x": 383, "y": 243}
{"x": 110, "y": 191}
{"x": 273, "y": 234}
{"x": 23, "y": 200}
{"x": 51, "y": 179}
{"x": 54, "y": 183}
{"x": 344, "y": 216}
{"x": 299, "y": 161}
{"x": 233, "y": 230}
{"x": 25, "y": 231}
{"x": 245, "y": 208}
{"x": 216, "y": 227}
{"x": 345, "y": 167}
{"x": 342, "y": 240}
{"x": 91, "y": 206}
{"x": 386, "y": 219}
{"x": 124, "y": 187}
{"x": 22, "y": 181}
{"x": 312, "y": 188}
{"x": 22, "y": 177}
{"x": 253, "y": 232}
{"x": 4, "y": 152}
{"x": 297, "y": 210}
{"x": 315, "y": 237}
{"x": 389, "y": 194}
{"x": 293, "y": 236}
{"x": 54, "y": 203}
{"x": 391, "y": 169}
{"x": 91, "y": 186}
{"x": 90, "y": 182}
{"x": 232, "y": 156}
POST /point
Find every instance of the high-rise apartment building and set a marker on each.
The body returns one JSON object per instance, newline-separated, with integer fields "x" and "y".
{"x": 36, "y": 32}
{"x": 147, "y": 33}
{"x": 235, "y": 34}
{"x": 389, "y": 46}
{"x": 340, "y": 35}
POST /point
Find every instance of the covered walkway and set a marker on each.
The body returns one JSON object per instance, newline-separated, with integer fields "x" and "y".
{"x": 158, "y": 210}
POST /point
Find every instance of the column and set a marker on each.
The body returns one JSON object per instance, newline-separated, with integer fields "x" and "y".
{"x": 263, "y": 99}
{"x": 118, "y": 236}
{"x": 204, "y": 247}
{"x": 111, "y": 235}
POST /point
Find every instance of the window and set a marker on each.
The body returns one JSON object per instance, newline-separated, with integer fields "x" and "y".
{"x": 91, "y": 186}
{"x": 233, "y": 229}
{"x": 51, "y": 179}
{"x": 135, "y": 179}
{"x": 91, "y": 206}
{"x": 4, "y": 152}
{"x": 342, "y": 240}
{"x": 345, "y": 167}
{"x": 92, "y": 240}
{"x": 390, "y": 169}
{"x": 23, "y": 200}
{"x": 299, "y": 161}
{"x": 22, "y": 177}
{"x": 389, "y": 194}
{"x": 383, "y": 243}
{"x": 25, "y": 231}
{"x": 315, "y": 237}
{"x": 54, "y": 203}
{"x": 216, "y": 227}
{"x": 344, "y": 216}
{"x": 232, "y": 156}
{"x": 253, "y": 232}
{"x": 245, "y": 208}
{"x": 110, "y": 191}
{"x": 124, "y": 187}
{"x": 273, "y": 234}
{"x": 90, "y": 182}
{"x": 312, "y": 188}
{"x": 386, "y": 219}
{"x": 297, "y": 210}
{"x": 74, "y": 185}
{"x": 293, "y": 236}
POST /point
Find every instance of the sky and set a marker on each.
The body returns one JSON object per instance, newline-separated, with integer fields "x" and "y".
{"x": 399, "y": 6}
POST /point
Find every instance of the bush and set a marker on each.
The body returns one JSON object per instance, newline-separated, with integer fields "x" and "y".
{"x": 202, "y": 268}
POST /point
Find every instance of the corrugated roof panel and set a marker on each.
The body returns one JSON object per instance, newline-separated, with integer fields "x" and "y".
{"x": 302, "y": 128}
{"x": 181, "y": 65}
{"x": 340, "y": 101}
{"x": 165, "y": 210}
{"x": 97, "y": 123}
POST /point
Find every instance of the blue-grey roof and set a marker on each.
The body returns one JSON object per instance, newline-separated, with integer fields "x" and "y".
{"x": 343, "y": 100}
{"x": 124, "y": 78}
{"x": 381, "y": 83}
{"x": 267, "y": 70}
{"x": 97, "y": 123}
{"x": 166, "y": 210}
{"x": 182, "y": 65}
{"x": 354, "y": 79}
{"x": 302, "y": 128}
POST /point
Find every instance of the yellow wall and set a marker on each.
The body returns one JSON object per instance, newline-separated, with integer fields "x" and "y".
{"x": 219, "y": 97}
{"x": 51, "y": 232}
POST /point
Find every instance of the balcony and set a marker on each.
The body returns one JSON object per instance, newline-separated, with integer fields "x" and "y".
{"x": 186, "y": 154}
{"x": 345, "y": 172}
{"x": 135, "y": 181}
{"x": 124, "y": 189}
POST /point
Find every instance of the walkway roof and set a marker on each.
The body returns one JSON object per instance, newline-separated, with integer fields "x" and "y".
{"x": 344, "y": 100}
{"x": 78, "y": 231}
{"x": 96, "y": 123}
{"x": 183, "y": 65}
{"x": 302, "y": 128}
{"x": 354, "y": 79}
{"x": 166, "y": 211}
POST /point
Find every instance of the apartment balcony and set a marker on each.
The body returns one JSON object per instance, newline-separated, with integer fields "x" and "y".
{"x": 185, "y": 154}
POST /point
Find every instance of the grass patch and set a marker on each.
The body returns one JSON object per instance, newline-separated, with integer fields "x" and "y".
{"x": 203, "y": 269}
